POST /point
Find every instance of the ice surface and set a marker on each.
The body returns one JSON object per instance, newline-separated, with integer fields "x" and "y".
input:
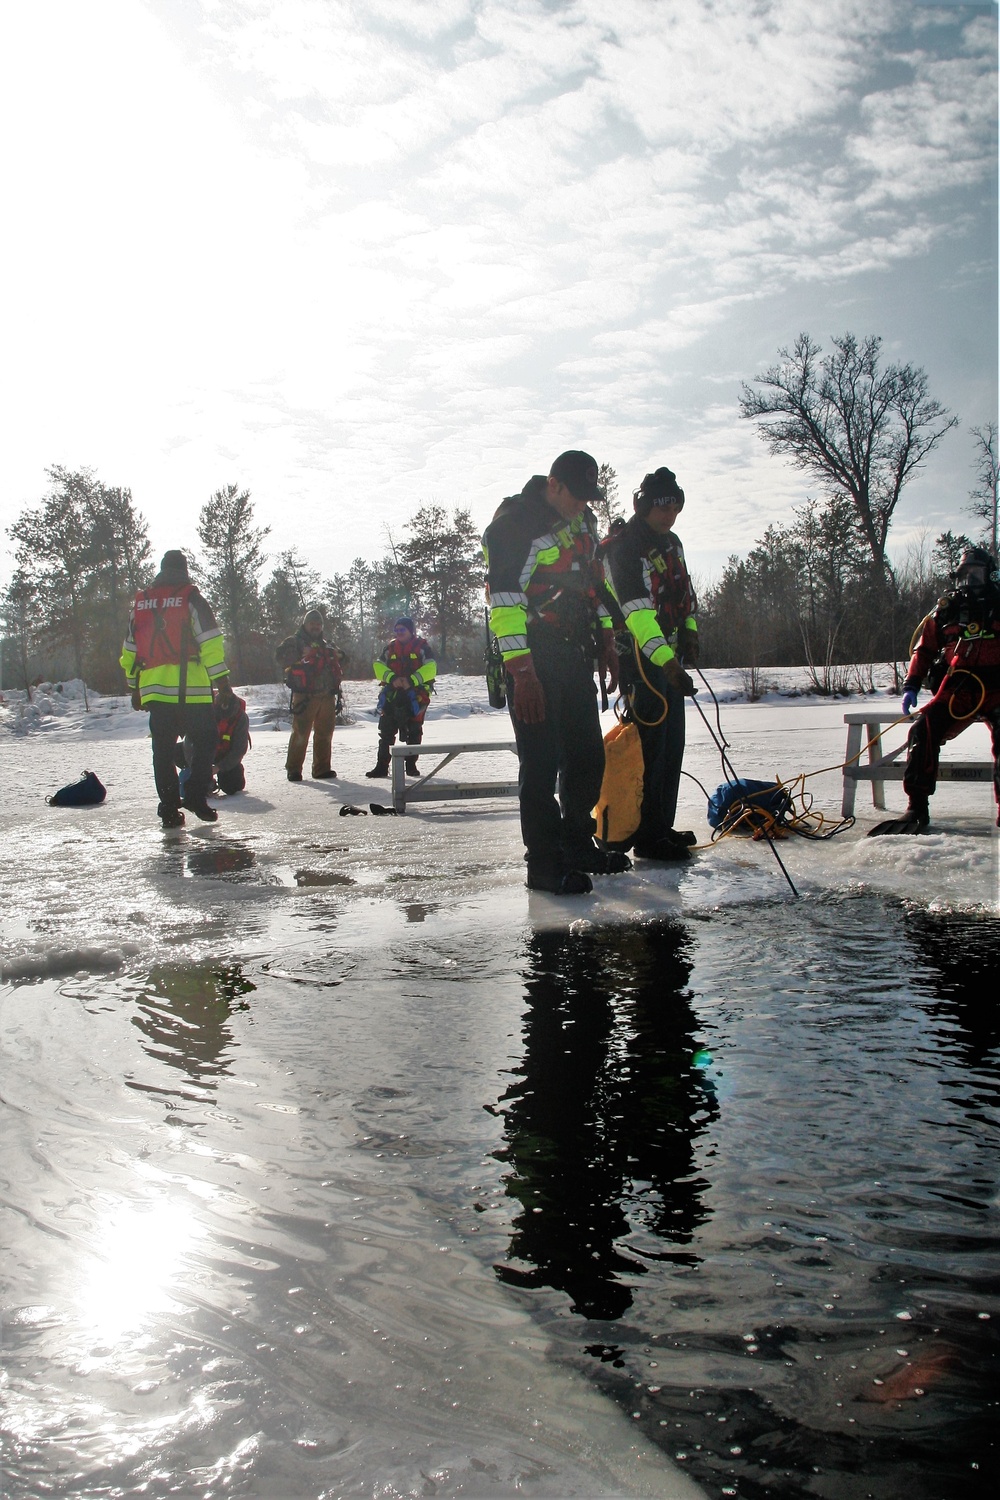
{"x": 81, "y": 888}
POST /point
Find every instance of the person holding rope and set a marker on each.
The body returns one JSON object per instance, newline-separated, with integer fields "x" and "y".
{"x": 965, "y": 630}
{"x": 645, "y": 563}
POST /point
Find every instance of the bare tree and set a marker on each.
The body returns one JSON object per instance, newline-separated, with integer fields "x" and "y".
{"x": 859, "y": 429}
{"x": 986, "y": 495}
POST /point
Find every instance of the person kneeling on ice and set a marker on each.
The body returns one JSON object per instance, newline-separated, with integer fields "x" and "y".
{"x": 232, "y": 730}
{"x": 406, "y": 669}
{"x": 645, "y": 561}
{"x": 172, "y": 657}
{"x": 313, "y": 673}
{"x": 549, "y": 613}
{"x": 965, "y": 630}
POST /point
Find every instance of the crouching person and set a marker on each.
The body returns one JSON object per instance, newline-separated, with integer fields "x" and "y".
{"x": 172, "y": 656}
{"x": 406, "y": 669}
{"x": 232, "y": 741}
{"x": 313, "y": 672}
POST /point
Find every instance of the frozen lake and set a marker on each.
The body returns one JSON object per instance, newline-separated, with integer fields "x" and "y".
{"x": 334, "y": 1166}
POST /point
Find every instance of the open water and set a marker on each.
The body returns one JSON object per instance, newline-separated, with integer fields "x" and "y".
{"x": 474, "y": 1210}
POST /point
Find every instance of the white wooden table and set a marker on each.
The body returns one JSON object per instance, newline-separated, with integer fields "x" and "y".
{"x": 427, "y": 790}
{"x": 884, "y": 765}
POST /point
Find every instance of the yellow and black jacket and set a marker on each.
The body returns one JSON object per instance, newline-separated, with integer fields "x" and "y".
{"x": 416, "y": 663}
{"x": 653, "y": 587}
{"x": 543, "y": 573}
{"x": 174, "y": 649}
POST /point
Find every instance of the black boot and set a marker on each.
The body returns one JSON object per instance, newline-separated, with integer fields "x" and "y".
{"x": 380, "y": 770}
{"x": 410, "y": 765}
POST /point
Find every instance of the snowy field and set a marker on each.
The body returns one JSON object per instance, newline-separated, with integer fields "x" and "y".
{"x": 90, "y": 887}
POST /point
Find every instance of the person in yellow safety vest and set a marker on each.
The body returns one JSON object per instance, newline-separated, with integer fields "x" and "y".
{"x": 173, "y": 655}
{"x": 549, "y": 613}
{"x": 406, "y": 669}
{"x": 645, "y": 564}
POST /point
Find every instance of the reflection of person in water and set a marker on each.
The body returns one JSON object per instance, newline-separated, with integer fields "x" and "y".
{"x": 601, "y": 1122}
{"x": 183, "y": 1016}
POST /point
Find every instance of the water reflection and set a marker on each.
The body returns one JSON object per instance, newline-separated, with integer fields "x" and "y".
{"x": 183, "y": 1015}
{"x": 954, "y": 960}
{"x": 601, "y": 1121}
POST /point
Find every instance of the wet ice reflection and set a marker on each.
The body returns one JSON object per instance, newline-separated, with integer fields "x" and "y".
{"x": 131, "y": 1281}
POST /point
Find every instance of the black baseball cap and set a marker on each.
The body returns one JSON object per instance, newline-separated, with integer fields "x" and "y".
{"x": 578, "y": 472}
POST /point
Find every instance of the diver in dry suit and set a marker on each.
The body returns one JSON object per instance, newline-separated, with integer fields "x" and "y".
{"x": 964, "y": 632}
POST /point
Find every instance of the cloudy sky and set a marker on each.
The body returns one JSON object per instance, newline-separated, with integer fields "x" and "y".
{"x": 359, "y": 257}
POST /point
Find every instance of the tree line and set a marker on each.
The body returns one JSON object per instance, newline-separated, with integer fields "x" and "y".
{"x": 819, "y": 590}
{"x": 82, "y": 553}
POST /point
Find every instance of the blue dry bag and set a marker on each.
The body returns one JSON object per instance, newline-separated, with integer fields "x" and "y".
{"x": 734, "y": 798}
{"x": 87, "y": 792}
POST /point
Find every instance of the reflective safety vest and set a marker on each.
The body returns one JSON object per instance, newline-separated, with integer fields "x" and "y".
{"x": 174, "y": 649}
{"x": 162, "y": 625}
{"x": 414, "y": 662}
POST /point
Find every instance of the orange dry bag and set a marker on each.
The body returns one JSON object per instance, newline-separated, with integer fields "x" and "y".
{"x": 619, "y": 807}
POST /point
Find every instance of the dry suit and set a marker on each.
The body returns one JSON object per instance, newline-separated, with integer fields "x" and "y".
{"x": 964, "y": 630}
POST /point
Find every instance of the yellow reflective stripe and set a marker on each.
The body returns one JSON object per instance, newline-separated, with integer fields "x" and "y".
{"x": 382, "y": 672}
{"x": 425, "y": 674}
{"x": 212, "y": 655}
{"x": 691, "y": 624}
{"x": 508, "y": 619}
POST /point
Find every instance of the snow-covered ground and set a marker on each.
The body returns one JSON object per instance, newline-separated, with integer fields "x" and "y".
{"x": 88, "y": 888}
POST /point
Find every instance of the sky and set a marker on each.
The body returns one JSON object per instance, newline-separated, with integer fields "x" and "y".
{"x": 360, "y": 258}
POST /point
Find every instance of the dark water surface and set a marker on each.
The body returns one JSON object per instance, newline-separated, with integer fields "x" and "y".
{"x": 355, "y": 1219}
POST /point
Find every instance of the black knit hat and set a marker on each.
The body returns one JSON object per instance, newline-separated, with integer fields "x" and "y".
{"x": 658, "y": 488}
{"x": 406, "y": 623}
{"x": 174, "y": 562}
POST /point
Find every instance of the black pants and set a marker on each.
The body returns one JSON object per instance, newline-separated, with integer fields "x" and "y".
{"x": 168, "y": 724}
{"x": 662, "y": 747}
{"x": 397, "y": 718}
{"x": 564, "y": 752}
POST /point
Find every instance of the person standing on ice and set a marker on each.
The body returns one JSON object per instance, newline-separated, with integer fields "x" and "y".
{"x": 406, "y": 669}
{"x": 645, "y": 561}
{"x": 964, "y": 629}
{"x": 173, "y": 655}
{"x": 313, "y": 672}
{"x": 550, "y": 618}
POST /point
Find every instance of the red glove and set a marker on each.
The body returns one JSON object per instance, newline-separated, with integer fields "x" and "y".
{"x": 607, "y": 662}
{"x": 529, "y": 695}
